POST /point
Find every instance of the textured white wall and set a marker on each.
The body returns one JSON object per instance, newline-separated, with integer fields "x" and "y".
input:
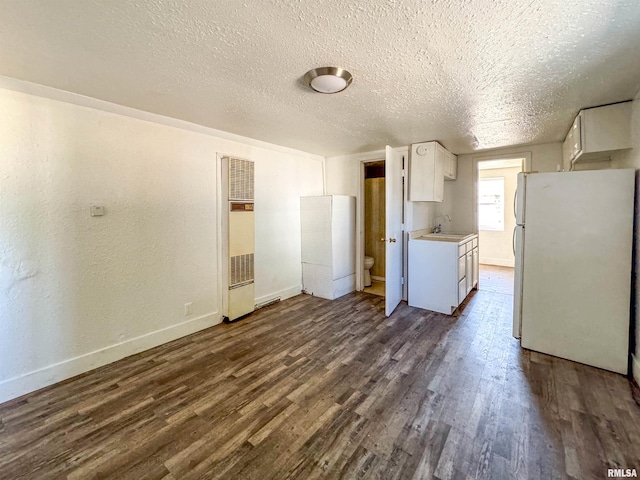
{"x": 421, "y": 215}
{"x": 496, "y": 247}
{"x": 77, "y": 292}
{"x": 459, "y": 195}
{"x": 343, "y": 173}
{"x": 631, "y": 159}
{"x": 281, "y": 179}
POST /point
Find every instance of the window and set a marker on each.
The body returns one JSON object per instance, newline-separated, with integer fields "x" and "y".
{"x": 491, "y": 203}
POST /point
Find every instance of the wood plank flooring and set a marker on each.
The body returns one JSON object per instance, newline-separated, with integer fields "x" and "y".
{"x": 496, "y": 279}
{"x": 310, "y": 388}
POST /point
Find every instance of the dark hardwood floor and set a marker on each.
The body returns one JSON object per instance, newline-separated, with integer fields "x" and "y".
{"x": 310, "y": 388}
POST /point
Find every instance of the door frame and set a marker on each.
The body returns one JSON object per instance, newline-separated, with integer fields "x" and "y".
{"x": 526, "y": 154}
{"x": 370, "y": 157}
{"x": 377, "y": 156}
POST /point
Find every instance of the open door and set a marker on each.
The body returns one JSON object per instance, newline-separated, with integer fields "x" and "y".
{"x": 393, "y": 212}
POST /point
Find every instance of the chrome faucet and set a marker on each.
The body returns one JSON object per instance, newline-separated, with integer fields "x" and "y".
{"x": 438, "y": 226}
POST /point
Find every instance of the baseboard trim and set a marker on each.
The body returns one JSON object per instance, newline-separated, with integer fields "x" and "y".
{"x": 46, "y": 376}
{"x": 379, "y": 279}
{"x": 635, "y": 368}
{"x": 283, "y": 294}
{"x": 499, "y": 262}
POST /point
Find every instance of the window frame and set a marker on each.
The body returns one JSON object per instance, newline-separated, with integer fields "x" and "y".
{"x": 497, "y": 226}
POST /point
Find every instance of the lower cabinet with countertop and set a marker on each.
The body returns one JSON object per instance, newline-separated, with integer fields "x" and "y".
{"x": 442, "y": 271}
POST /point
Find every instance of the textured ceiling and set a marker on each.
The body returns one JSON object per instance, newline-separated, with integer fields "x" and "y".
{"x": 473, "y": 74}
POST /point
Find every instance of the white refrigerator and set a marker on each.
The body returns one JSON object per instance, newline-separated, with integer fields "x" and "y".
{"x": 572, "y": 243}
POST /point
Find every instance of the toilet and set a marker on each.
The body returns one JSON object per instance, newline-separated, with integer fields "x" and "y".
{"x": 368, "y": 263}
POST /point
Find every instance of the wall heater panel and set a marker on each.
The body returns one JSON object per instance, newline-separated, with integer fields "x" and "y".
{"x": 241, "y": 237}
{"x": 240, "y": 179}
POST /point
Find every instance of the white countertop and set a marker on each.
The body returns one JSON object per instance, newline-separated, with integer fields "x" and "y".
{"x": 448, "y": 237}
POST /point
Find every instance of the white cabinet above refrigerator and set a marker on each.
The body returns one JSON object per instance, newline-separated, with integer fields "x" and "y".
{"x": 596, "y": 132}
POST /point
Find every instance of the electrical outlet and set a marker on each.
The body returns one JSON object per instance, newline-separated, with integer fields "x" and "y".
{"x": 188, "y": 309}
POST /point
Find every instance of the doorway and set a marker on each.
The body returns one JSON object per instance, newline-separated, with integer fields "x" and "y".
{"x": 374, "y": 228}
{"x": 393, "y": 238}
{"x": 497, "y": 182}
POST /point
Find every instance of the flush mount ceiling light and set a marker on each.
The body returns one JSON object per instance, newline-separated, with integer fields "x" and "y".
{"x": 328, "y": 79}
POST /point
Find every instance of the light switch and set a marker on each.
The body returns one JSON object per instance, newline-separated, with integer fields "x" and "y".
{"x": 97, "y": 210}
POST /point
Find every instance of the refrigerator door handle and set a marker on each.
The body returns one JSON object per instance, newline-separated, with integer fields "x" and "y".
{"x": 515, "y": 199}
{"x": 513, "y": 241}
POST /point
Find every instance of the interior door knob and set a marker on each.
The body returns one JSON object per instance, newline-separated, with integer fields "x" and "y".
{"x": 383, "y": 239}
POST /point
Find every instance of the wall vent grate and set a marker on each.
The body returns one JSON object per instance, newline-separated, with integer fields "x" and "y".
{"x": 240, "y": 270}
{"x": 241, "y": 179}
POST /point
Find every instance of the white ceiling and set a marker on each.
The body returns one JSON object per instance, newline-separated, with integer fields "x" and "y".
{"x": 473, "y": 74}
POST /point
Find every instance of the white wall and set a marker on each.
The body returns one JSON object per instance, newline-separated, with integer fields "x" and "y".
{"x": 631, "y": 159}
{"x": 460, "y": 195}
{"x": 343, "y": 172}
{"x": 77, "y": 292}
{"x": 496, "y": 247}
{"x": 421, "y": 216}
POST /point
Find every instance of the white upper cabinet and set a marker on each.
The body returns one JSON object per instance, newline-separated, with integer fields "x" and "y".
{"x": 429, "y": 164}
{"x": 450, "y": 166}
{"x": 596, "y": 132}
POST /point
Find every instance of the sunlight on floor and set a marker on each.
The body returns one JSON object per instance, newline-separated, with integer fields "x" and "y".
{"x": 496, "y": 279}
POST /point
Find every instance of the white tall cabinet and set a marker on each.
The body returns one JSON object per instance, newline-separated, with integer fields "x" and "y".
{"x": 328, "y": 234}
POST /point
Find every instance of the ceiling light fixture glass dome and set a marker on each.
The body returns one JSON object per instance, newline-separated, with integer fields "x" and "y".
{"x": 328, "y": 79}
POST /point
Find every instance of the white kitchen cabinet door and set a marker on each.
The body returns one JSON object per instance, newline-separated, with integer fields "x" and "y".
{"x": 462, "y": 290}
{"x": 427, "y": 170}
{"x": 438, "y": 176}
{"x": 576, "y": 138}
{"x": 462, "y": 267}
{"x": 451, "y": 166}
{"x": 421, "y": 172}
{"x": 596, "y": 132}
{"x": 469, "y": 271}
{"x": 476, "y": 267}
